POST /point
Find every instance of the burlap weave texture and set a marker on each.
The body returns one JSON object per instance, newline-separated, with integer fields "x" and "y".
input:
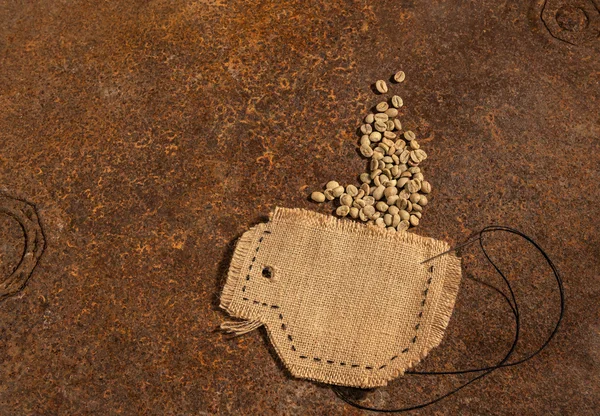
{"x": 343, "y": 303}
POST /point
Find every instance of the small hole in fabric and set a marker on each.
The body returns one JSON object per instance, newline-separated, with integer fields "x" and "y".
{"x": 431, "y": 269}
{"x": 268, "y": 272}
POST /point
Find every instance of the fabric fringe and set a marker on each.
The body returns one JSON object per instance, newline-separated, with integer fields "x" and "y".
{"x": 240, "y": 327}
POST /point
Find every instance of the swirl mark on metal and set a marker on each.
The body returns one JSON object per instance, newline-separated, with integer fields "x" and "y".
{"x": 572, "y": 21}
{"x": 26, "y": 215}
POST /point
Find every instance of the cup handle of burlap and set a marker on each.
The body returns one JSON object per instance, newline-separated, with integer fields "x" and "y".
{"x": 242, "y": 248}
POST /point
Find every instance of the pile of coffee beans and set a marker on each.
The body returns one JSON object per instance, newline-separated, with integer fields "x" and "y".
{"x": 393, "y": 190}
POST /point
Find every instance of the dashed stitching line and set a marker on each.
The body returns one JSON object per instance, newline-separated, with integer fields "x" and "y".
{"x": 260, "y": 240}
{"x": 341, "y": 363}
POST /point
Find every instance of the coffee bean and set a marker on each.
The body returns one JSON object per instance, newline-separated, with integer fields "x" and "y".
{"x": 393, "y": 209}
{"x": 366, "y": 129}
{"x": 401, "y": 203}
{"x": 425, "y": 187}
{"x": 381, "y": 206}
{"x": 369, "y": 210}
{"x": 399, "y": 76}
{"x": 412, "y": 186}
{"x": 381, "y": 117}
{"x": 387, "y": 219}
{"x": 391, "y": 112}
{"x": 375, "y": 136}
{"x": 337, "y": 192}
{"x": 403, "y": 226}
{"x": 382, "y": 106}
{"x": 409, "y": 135}
{"x": 381, "y": 86}
{"x": 366, "y": 151}
{"x": 317, "y": 196}
{"x": 415, "y": 198}
{"x": 342, "y": 211}
{"x": 390, "y": 191}
{"x": 378, "y": 192}
{"x": 404, "y": 215}
{"x": 380, "y": 126}
{"x": 346, "y": 199}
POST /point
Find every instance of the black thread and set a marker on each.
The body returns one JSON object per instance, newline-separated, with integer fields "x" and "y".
{"x": 515, "y": 310}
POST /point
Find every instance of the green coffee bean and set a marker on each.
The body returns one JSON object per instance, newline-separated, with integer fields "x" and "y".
{"x": 317, "y": 196}
{"x": 399, "y": 76}
{"x": 381, "y": 86}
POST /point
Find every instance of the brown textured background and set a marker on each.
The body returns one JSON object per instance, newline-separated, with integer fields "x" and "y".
{"x": 150, "y": 134}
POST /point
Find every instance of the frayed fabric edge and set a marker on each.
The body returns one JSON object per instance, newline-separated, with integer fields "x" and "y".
{"x": 240, "y": 254}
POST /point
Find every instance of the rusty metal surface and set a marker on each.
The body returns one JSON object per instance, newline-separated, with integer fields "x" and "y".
{"x": 149, "y": 135}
